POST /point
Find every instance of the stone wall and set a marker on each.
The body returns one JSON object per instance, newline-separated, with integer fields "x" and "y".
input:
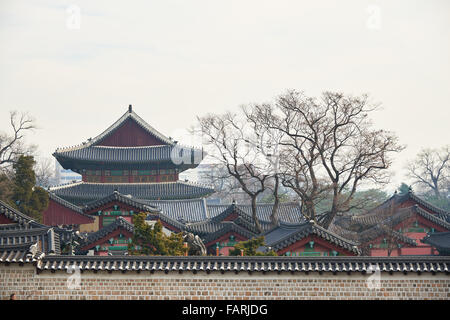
{"x": 26, "y": 283}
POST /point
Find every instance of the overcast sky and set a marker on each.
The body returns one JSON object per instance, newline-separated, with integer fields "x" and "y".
{"x": 174, "y": 60}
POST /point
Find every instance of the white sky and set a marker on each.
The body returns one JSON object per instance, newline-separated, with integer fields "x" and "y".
{"x": 174, "y": 60}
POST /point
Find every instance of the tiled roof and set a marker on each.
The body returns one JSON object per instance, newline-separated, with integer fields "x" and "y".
{"x": 385, "y": 224}
{"x": 23, "y": 253}
{"x": 69, "y": 205}
{"x": 163, "y": 217}
{"x": 196, "y": 210}
{"x": 382, "y": 225}
{"x": 119, "y": 223}
{"x": 423, "y": 202}
{"x": 210, "y": 230}
{"x": 25, "y": 226}
{"x": 439, "y": 240}
{"x": 49, "y": 239}
{"x": 289, "y": 212}
{"x": 131, "y": 155}
{"x": 343, "y": 232}
{"x": 286, "y": 234}
{"x": 382, "y": 211}
{"x": 10, "y": 226}
{"x": 117, "y": 196}
{"x": 18, "y": 217}
{"x": 91, "y": 151}
{"x": 433, "y": 218}
{"x": 80, "y": 193}
{"x": 65, "y": 203}
{"x": 291, "y": 265}
{"x": 209, "y": 221}
{"x": 126, "y": 116}
{"x": 380, "y": 230}
{"x": 188, "y": 210}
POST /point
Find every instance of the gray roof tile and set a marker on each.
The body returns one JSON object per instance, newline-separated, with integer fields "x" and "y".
{"x": 81, "y": 193}
{"x": 290, "y": 265}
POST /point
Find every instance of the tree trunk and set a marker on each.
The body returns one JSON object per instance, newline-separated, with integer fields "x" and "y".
{"x": 254, "y": 216}
{"x": 274, "y": 215}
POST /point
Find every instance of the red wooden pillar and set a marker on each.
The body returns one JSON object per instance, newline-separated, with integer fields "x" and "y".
{"x": 185, "y": 249}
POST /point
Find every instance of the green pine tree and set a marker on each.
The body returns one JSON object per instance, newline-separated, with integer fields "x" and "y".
{"x": 151, "y": 240}
{"x": 250, "y": 246}
{"x": 27, "y": 197}
{"x": 6, "y": 188}
{"x": 403, "y": 189}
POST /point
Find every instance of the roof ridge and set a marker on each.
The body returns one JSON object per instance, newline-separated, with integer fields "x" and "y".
{"x": 65, "y": 203}
{"x": 129, "y": 114}
{"x": 176, "y": 200}
{"x": 20, "y": 214}
{"x": 315, "y": 225}
{"x": 133, "y": 147}
{"x": 121, "y": 197}
{"x": 117, "y": 223}
{"x": 65, "y": 185}
{"x": 426, "y": 203}
{"x": 432, "y": 217}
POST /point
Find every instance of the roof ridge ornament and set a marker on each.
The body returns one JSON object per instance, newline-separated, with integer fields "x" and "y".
{"x": 130, "y": 108}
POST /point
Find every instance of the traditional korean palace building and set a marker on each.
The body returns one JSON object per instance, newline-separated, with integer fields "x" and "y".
{"x": 399, "y": 226}
{"x": 20, "y": 233}
{"x": 132, "y": 168}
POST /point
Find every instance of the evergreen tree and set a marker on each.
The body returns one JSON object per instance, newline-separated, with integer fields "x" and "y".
{"x": 27, "y": 197}
{"x": 151, "y": 240}
{"x": 440, "y": 202}
{"x": 403, "y": 189}
{"x": 6, "y": 188}
{"x": 250, "y": 246}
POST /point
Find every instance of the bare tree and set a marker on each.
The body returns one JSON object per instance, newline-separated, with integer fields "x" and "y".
{"x": 330, "y": 146}
{"x": 236, "y": 146}
{"x": 431, "y": 170}
{"x": 6, "y": 187}
{"x": 44, "y": 170}
{"x": 268, "y": 145}
{"x": 12, "y": 146}
{"x": 226, "y": 187}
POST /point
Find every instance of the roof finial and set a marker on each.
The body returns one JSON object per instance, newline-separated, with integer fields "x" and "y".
{"x": 130, "y": 108}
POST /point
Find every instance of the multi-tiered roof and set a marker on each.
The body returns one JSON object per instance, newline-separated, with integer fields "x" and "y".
{"x": 133, "y": 158}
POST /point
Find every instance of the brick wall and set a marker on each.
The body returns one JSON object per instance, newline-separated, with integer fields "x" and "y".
{"x": 27, "y": 284}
